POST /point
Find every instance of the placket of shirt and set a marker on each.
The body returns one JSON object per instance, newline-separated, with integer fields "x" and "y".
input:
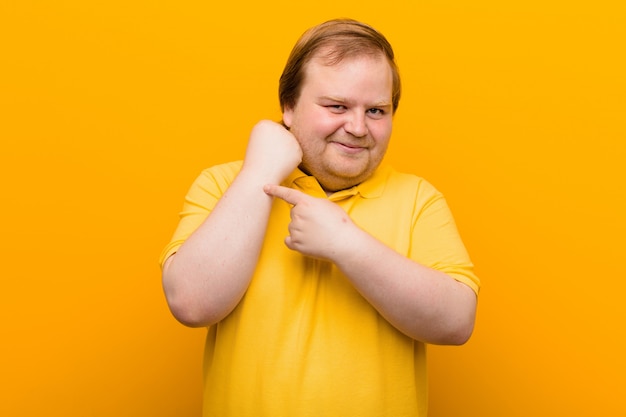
{"x": 316, "y": 268}
{"x": 310, "y": 186}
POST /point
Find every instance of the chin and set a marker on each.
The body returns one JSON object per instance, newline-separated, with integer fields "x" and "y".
{"x": 341, "y": 183}
{"x": 336, "y": 177}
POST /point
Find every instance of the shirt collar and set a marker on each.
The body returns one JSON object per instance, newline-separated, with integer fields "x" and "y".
{"x": 373, "y": 187}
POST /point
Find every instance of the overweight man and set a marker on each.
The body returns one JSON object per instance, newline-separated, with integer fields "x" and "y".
{"x": 321, "y": 273}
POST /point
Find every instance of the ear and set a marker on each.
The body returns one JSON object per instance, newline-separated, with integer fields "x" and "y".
{"x": 288, "y": 116}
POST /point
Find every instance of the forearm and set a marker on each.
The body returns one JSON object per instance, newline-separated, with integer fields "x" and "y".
{"x": 210, "y": 272}
{"x": 425, "y": 304}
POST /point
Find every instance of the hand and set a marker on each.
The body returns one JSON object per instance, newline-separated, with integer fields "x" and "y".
{"x": 273, "y": 152}
{"x": 318, "y": 228}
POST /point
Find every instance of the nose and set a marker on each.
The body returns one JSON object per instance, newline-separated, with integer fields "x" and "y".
{"x": 356, "y": 124}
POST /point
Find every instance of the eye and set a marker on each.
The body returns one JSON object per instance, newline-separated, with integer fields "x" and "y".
{"x": 375, "y": 112}
{"x": 336, "y": 108}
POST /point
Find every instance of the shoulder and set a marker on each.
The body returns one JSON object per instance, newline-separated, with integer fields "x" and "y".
{"x": 406, "y": 184}
{"x": 221, "y": 175}
{"x": 213, "y": 181}
{"x": 226, "y": 170}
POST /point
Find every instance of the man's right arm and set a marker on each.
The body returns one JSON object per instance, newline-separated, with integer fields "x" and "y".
{"x": 209, "y": 274}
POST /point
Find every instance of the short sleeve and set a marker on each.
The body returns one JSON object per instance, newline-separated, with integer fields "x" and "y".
{"x": 200, "y": 200}
{"x": 435, "y": 240}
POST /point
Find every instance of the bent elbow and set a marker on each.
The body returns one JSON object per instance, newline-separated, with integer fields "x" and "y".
{"x": 456, "y": 330}
{"x": 455, "y": 335}
{"x": 461, "y": 334}
{"x": 188, "y": 309}
{"x": 188, "y": 315}
{"x": 461, "y": 328}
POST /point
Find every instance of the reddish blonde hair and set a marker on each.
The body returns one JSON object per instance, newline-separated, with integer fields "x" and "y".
{"x": 337, "y": 39}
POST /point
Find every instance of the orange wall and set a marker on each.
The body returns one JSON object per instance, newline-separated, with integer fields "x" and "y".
{"x": 108, "y": 110}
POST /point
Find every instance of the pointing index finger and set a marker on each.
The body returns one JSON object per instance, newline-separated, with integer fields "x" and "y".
{"x": 289, "y": 195}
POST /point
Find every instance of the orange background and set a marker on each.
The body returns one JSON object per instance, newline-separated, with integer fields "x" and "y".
{"x": 109, "y": 109}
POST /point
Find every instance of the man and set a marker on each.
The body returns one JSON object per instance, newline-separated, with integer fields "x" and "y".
{"x": 321, "y": 274}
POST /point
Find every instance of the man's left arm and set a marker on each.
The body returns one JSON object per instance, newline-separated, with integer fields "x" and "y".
{"x": 425, "y": 304}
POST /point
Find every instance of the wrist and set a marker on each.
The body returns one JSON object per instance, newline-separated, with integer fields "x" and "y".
{"x": 264, "y": 174}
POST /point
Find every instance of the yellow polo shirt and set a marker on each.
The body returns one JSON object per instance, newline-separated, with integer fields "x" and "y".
{"x": 303, "y": 341}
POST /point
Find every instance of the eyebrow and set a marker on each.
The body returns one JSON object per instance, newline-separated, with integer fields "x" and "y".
{"x": 382, "y": 103}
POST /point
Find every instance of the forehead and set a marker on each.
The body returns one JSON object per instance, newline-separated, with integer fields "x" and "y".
{"x": 332, "y": 56}
{"x": 368, "y": 75}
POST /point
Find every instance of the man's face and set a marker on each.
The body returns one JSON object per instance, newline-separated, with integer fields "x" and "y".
{"x": 343, "y": 119}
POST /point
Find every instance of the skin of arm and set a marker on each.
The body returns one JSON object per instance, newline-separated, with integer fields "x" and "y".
{"x": 206, "y": 278}
{"x": 423, "y": 303}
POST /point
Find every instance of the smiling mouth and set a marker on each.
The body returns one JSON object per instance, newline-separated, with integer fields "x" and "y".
{"x": 348, "y": 147}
